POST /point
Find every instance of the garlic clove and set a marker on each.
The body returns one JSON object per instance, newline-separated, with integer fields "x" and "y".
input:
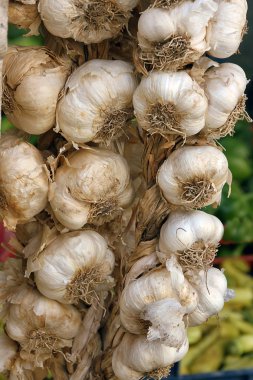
{"x": 92, "y": 187}
{"x": 24, "y": 186}
{"x": 75, "y": 266}
{"x": 192, "y": 236}
{"x": 33, "y": 79}
{"x": 193, "y": 176}
{"x": 8, "y": 351}
{"x": 170, "y": 103}
{"x": 169, "y": 39}
{"x": 86, "y": 21}
{"x": 97, "y": 101}
{"x": 226, "y": 29}
{"x": 135, "y": 357}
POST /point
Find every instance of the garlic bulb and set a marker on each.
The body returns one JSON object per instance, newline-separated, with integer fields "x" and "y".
{"x": 170, "y": 39}
{"x": 224, "y": 87}
{"x": 226, "y": 29}
{"x": 192, "y": 236}
{"x": 33, "y": 79}
{"x": 170, "y": 103}
{"x": 41, "y": 326}
{"x": 8, "y": 350}
{"x": 97, "y": 101}
{"x": 92, "y": 187}
{"x": 211, "y": 287}
{"x": 193, "y": 176}
{"x": 162, "y": 297}
{"x": 75, "y": 266}
{"x": 87, "y": 21}
{"x": 135, "y": 357}
{"x": 24, "y": 181}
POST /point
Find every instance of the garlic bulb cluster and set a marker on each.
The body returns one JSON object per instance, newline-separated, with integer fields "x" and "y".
{"x": 24, "y": 181}
{"x": 170, "y": 103}
{"x": 92, "y": 187}
{"x": 135, "y": 357}
{"x": 212, "y": 293}
{"x": 41, "y": 326}
{"x": 171, "y": 38}
{"x": 224, "y": 87}
{"x": 75, "y": 266}
{"x": 33, "y": 79}
{"x": 193, "y": 176}
{"x": 97, "y": 101}
{"x": 86, "y": 21}
{"x": 226, "y": 29}
{"x": 162, "y": 297}
{"x": 192, "y": 236}
{"x": 8, "y": 351}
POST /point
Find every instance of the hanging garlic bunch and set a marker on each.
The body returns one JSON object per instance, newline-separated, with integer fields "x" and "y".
{"x": 170, "y": 103}
{"x": 97, "y": 101}
{"x": 91, "y": 187}
{"x": 135, "y": 357}
{"x": 171, "y": 38}
{"x": 226, "y": 28}
{"x": 211, "y": 286}
{"x": 75, "y": 266}
{"x": 88, "y": 21}
{"x": 41, "y": 326}
{"x": 23, "y": 181}
{"x": 162, "y": 297}
{"x": 224, "y": 87}
{"x": 33, "y": 79}
{"x": 192, "y": 236}
{"x": 8, "y": 351}
{"x": 193, "y": 176}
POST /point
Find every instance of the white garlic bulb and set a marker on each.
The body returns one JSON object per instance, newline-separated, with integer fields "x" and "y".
{"x": 41, "y": 326}
{"x": 75, "y": 266}
{"x": 170, "y": 103}
{"x": 86, "y": 21}
{"x": 33, "y": 79}
{"x": 226, "y": 29}
{"x": 8, "y": 351}
{"x": 193, "y": 176}
{"x": 97, "y": 101}
{"x": 92, "y": 187}
{"x": 224, "y": 87}
{"x": 192, "y": 236}
{"x": 162, "y": 297}
{"x": 172, "y": 38}
{"x": 135, "y": 357}
{"x": 211, "y": 287}
{"x": 24, "y": 181}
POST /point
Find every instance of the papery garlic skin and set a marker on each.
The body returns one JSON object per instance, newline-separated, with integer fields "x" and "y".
{"x": 97, "y": 101}
{"x": 8, "y": 351}
{"x": 150, "y": 295}
{"x": 169, "y": 39}
{"x": 136, "y": 357}
{"x": 41, "y": 326}
{"x": 211, "y": 287}
{"x": 92, "y": 187}
{"x": 170, "y": 103}
{"x": 86, "y": 21}
{"x": 23, "y": 180}
{"x": 226, "y": 29}
{"x": 33, "y": 79}
{"x": 224, "y": 87}
{"x": 192, "y": 236}
{"x": 193, "y": 176}
{"x": 74, "y": 267}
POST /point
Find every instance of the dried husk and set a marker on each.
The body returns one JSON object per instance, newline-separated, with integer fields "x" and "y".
{"x": 33, "y": 79}
{"x": 24, "y": 16}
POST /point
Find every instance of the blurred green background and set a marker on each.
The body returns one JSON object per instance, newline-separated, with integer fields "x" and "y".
{"x": 235, "y": 212}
